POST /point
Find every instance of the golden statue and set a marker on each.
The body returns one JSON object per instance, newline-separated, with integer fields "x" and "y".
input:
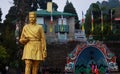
{"x": 33, "y": 38}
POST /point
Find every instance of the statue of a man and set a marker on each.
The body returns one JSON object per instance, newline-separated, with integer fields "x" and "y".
{"x": 33, "y": 38}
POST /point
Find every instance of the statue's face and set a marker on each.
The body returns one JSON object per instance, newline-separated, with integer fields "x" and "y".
{"x": 32, "y": 18}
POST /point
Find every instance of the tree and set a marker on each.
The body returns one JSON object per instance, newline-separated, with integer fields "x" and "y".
{"x": 95, "y": 10}
{"x": 12, "y": 14}
{"x": 3, "y": 54}
{"x": 55, "y": 6}
{"x": 70, "y": 9}
{"x": 9, "y": 41}
{"x": 3, "y": 57}
{"x": 105, "y": 8}
{"x": 0, "y": 15}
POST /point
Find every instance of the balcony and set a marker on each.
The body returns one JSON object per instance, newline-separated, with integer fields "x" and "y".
{"x": 62, "y": 28}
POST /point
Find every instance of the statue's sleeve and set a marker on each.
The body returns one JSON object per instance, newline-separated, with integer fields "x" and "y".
{"x": 43, "y": 40}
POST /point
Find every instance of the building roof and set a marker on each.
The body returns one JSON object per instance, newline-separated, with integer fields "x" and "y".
{"x": 117, "y": 19}
{"x": 54, "y": 13}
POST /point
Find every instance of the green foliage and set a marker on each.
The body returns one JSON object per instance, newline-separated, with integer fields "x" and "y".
{"x": 55, "y": 6}
{"x": 12, "y": 15}
{"x": 0, "y": 14}
{"x": 105, "y": 7}
{"x": 3, "y": 56}
{"x": 18, "y": 64}
{"x": 9, "y": 41}
{"x": 94, "y": 8}
{"x": 69, "y": 8}
{"x": 3, "y": 53}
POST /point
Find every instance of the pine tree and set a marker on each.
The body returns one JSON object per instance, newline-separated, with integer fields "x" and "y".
{"x": 69, "y": 8}
{"x": 0, "y": 15}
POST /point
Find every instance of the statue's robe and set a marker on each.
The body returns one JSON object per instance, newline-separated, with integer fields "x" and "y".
{"x": 35, "y": 48}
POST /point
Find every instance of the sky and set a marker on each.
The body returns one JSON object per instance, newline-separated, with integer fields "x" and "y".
{"x": 79, "y": 5}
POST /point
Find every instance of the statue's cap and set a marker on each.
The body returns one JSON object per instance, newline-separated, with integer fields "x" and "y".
{"x": 33, "y": 13}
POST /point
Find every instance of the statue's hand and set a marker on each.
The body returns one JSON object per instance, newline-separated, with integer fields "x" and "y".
{"x": 24, "y": 41}
{"x": 44, "y": 54}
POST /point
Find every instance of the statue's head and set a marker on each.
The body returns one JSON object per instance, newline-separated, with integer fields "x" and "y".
{"x": 32, "y": 17}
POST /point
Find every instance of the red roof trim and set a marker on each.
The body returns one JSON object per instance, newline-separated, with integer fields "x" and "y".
{"x": 117, "y": 19}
